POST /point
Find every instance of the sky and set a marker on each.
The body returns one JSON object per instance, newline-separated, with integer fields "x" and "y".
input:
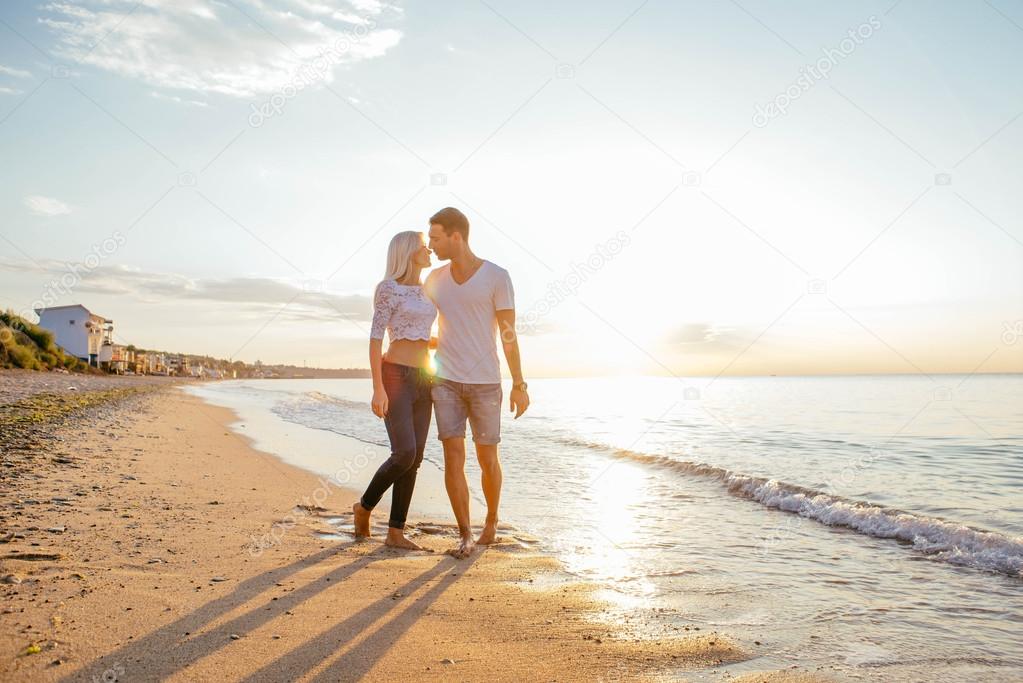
{"x": 687, "y": 188}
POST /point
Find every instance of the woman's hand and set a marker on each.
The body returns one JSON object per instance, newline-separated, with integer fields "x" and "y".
{"x": 379, "y": 402}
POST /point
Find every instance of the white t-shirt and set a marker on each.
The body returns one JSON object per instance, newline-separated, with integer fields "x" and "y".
{"x": 467, "y": 326}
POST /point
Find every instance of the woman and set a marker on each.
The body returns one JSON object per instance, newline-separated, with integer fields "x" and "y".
{"x": 401, "y": 382}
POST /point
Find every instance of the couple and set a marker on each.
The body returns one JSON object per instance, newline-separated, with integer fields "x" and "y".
{"x": 474, "y": 299}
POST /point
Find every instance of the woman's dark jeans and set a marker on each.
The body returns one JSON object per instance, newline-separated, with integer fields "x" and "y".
{"x": 408, "y": 422}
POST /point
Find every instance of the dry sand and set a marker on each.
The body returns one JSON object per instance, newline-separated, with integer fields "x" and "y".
{"x": 133, "y": 559}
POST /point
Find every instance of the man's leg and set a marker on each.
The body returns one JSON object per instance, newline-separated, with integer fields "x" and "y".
{"x": 458, "y": 492}
{"x": 490, "y": 466}
{"x": 451, "y": 410}
{"x": 485, "y": 418}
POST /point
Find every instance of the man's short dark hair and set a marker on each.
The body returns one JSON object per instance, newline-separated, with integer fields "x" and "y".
{"x": 452, "y": 220}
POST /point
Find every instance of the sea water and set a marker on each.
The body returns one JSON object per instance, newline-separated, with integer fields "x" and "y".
{"x": 871, "y": 526}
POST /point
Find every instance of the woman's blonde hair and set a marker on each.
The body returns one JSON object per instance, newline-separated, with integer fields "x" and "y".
{"x": 399, "y": 254}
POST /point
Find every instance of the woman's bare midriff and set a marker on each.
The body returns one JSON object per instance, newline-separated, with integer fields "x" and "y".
{"x": 414, "y": 353}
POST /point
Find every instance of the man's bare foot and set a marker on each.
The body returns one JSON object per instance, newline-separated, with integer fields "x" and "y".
{"x": 361, "y": 520}
{"x": 489, "y": 534}
{"x": 396, "y": 539}
{"x": 465, "y": 548}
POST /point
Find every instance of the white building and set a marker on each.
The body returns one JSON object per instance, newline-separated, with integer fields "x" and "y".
{"x": 79, "y": 332}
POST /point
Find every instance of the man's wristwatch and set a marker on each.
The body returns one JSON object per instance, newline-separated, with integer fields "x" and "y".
{"x": 521, "y": 386}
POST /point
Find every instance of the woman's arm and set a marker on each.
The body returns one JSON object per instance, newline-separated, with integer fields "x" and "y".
{"x": 383, "y": 309}
{"x": 376, "y": 357}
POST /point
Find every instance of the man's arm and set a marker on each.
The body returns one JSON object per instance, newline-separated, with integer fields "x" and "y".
{"x": 519, "y": 400}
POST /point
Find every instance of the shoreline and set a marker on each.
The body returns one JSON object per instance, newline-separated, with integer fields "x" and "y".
{"x": 144, "y": 570}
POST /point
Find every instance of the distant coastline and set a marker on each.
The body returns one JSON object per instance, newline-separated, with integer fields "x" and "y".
{"x": 295, "y": 372}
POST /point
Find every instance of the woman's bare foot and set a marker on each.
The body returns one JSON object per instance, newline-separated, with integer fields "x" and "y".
{"x": 396, "y": 539}
{"x": 489, "y": 534}
{"x": 361, "y": 520}
{"x": 465, "y": 548}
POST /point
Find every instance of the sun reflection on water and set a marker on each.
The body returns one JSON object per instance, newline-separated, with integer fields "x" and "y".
{"x": 610, "y": 533}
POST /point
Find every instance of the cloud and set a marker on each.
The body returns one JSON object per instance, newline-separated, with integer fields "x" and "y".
{"x": 179, "y": 100}
{"x": 10, "y": 91}
{"x": 240, "y": 49}
{"x": 374, "y": 7}
{"x": 16, "y": 73}
{"x": 695, "y": 333}
{"x": 529, "y": 324}
{"x": 260, "y": 294}
{"x": 46, "y": 206}
{"x": 706, "y": 337}
{"x": 246, "y": 295}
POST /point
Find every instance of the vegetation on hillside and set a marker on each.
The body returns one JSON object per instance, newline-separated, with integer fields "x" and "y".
{"x": 26, "y": 345}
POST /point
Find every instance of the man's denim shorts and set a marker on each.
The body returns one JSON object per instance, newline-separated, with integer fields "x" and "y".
{"x": 454, "y": 402}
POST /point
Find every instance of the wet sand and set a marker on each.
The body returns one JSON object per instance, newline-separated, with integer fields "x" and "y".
{"x": 143, "y": 540}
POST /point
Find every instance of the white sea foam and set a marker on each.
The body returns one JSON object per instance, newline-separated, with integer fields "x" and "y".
{"x": 330, "y": 413}
{"x": 942, "y": 539}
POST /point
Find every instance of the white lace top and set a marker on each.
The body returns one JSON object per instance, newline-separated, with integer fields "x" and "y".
{"x": 402, "y": 310}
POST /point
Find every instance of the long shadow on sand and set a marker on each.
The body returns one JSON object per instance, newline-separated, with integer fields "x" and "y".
{"x": 354, "y": 664}
{"x": 162, "y": 652}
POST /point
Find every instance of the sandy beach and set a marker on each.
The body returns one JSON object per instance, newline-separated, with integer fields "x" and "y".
{"x": 131, "y": 551}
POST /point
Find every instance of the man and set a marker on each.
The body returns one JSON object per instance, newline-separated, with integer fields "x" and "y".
{"x": 474, "y": 299}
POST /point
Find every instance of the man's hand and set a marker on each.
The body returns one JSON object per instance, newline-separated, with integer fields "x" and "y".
{"x": 518, "y": 403}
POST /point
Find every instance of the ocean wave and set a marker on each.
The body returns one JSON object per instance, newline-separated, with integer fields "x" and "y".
{"x": 316, "y": 410}
{"x": 320, "y": 397}
{"x": 946, "y": 540}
